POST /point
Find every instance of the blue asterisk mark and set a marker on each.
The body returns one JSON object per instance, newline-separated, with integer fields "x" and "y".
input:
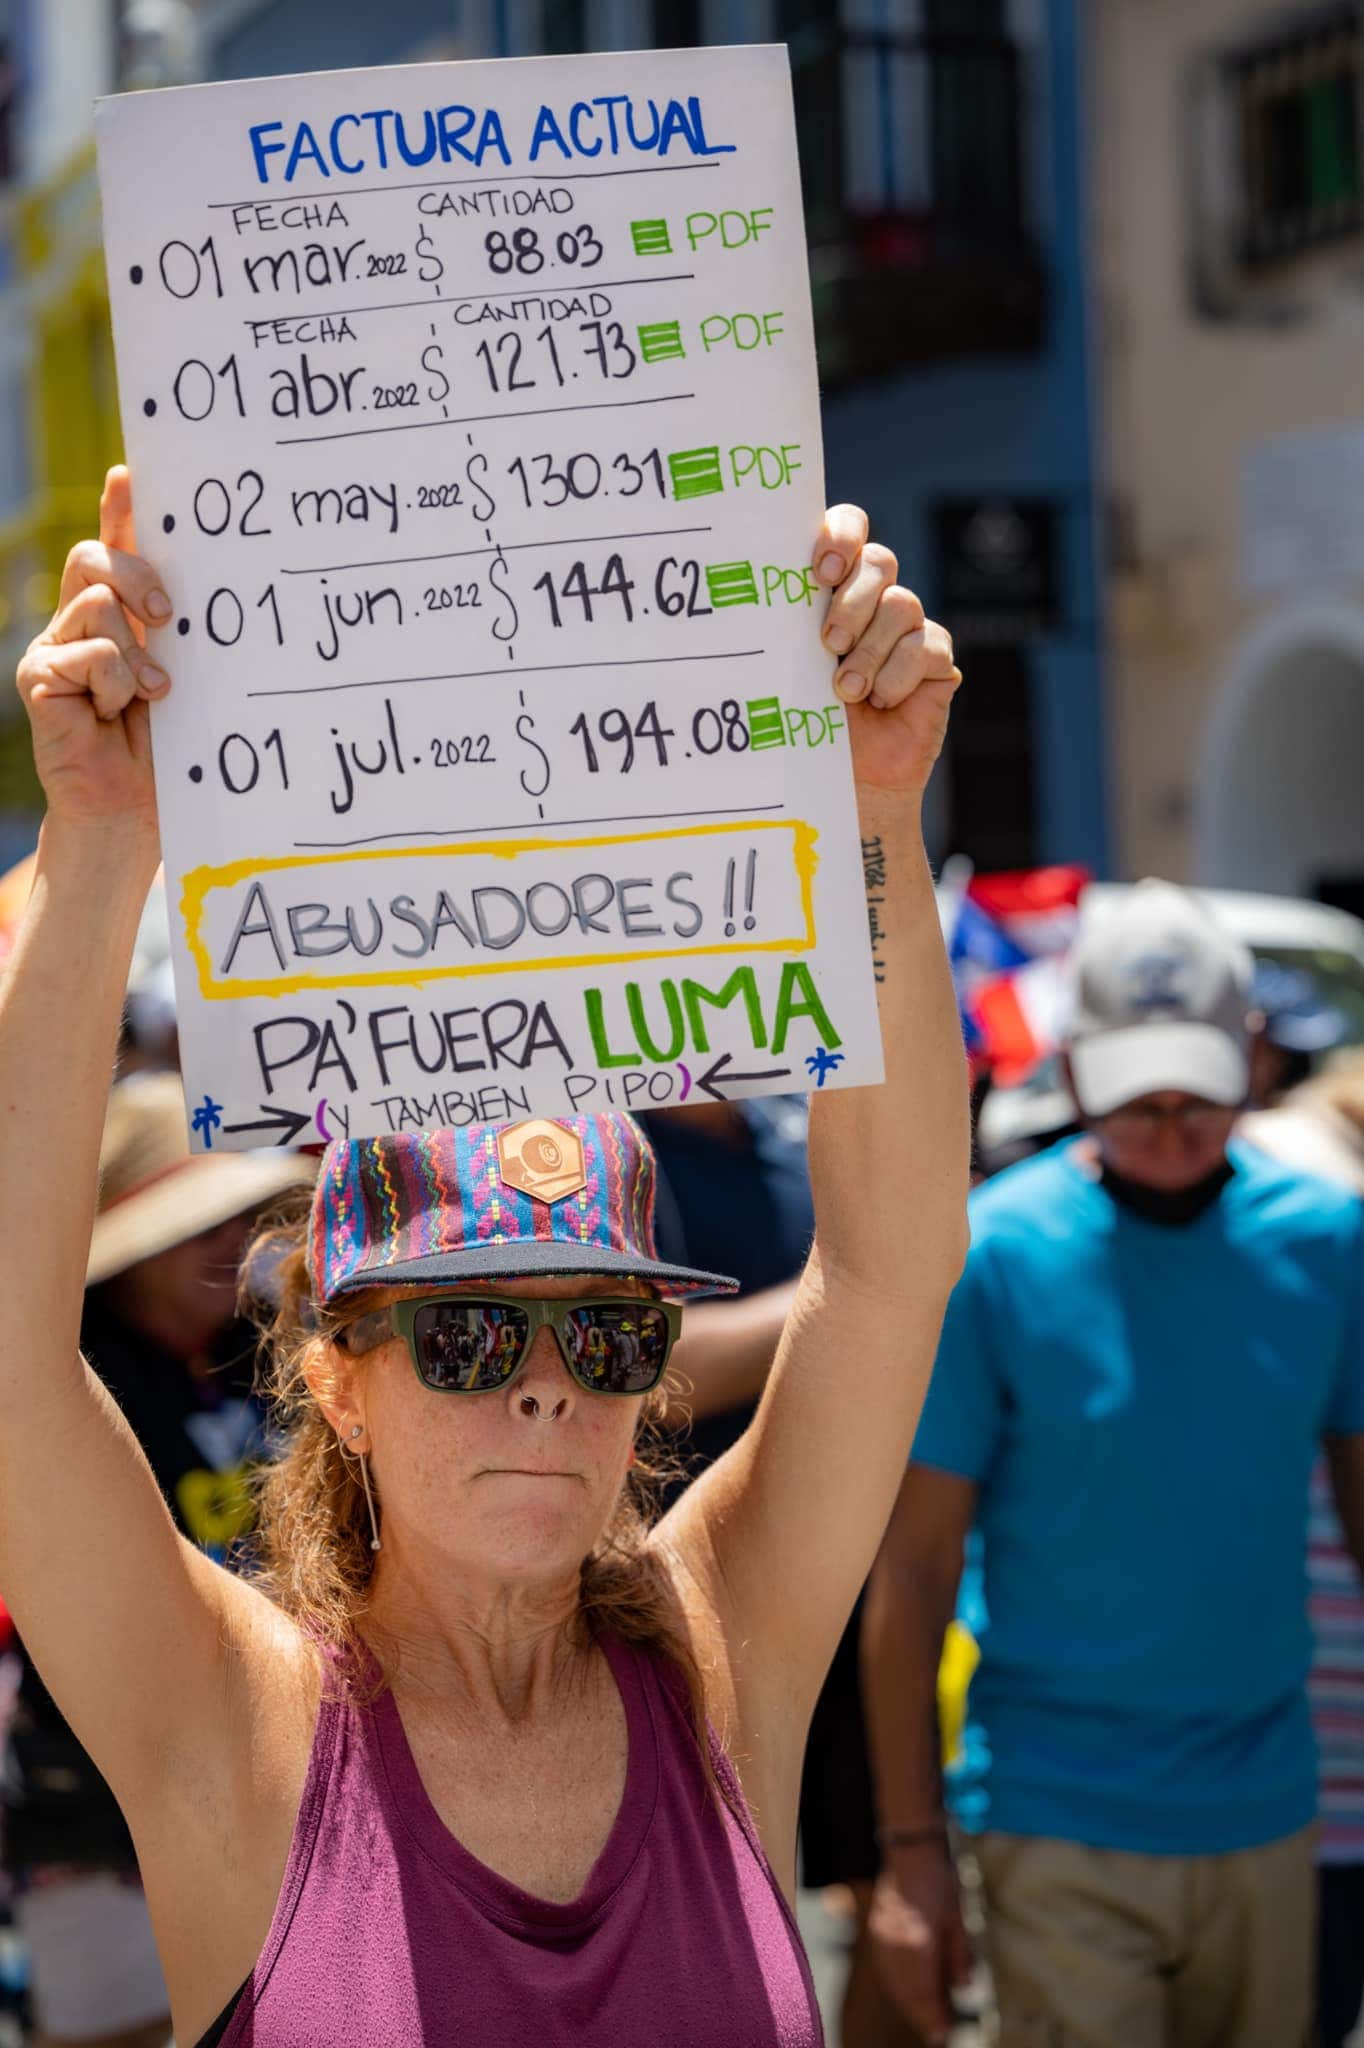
{"x": 821, "y": 1064}
{"x": 206, "y": 1120}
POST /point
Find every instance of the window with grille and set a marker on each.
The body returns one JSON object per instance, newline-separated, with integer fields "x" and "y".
{"x": 1296, "y": 105}
{"x": 908, "y": 113}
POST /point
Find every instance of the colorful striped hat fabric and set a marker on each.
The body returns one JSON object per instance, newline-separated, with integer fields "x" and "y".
{"x": 498, "y": 1201}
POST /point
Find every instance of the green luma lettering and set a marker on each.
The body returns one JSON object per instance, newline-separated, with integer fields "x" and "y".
{"x": 685, "y": 1021}
{"x": 798, "y": 997}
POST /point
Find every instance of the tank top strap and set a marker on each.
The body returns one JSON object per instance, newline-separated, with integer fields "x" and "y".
{"x": 733, "y": 1794}
{"x": 673, "y": 1687}
{"x": 334, "y": 1714}
{"x": 658, "y": 1675}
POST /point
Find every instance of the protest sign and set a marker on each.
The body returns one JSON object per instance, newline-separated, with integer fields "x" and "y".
{"x": 474, "y": 427}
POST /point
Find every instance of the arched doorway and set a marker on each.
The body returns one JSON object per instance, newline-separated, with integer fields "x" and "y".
{"x": 1280, "y": 804}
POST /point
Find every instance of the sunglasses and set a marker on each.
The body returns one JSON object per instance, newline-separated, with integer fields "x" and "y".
{"x": 476, "y": 1343}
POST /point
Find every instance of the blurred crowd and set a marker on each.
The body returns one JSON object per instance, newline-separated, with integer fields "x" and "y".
{"x": 1134, "y": 1520}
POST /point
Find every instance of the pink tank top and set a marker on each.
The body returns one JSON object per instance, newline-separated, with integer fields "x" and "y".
{"x": 388, "y": 1932}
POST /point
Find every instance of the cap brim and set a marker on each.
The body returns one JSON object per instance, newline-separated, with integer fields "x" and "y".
{"x": 1115, "y": 1067}
{"x": 527, "y": 1258}
{"x": 198, "y": 1196}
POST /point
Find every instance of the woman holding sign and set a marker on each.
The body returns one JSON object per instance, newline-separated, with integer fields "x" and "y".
{"x": 481, "y": 1757}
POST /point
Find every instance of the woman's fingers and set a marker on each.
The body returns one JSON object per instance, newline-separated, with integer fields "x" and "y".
{"x": 854, "y": 605}
{"x": 80, "y": 668}
{"x": 96, "y": 614}
{"x": 915, "y": 655}
{"x": 897, "y": 613}
{"x": 841, "y": 539}
{"x": 116, "y": 511}
{"x": 940, "y": 656}
{"x": 134, "y": 582}
{"x": 87, "y": 679}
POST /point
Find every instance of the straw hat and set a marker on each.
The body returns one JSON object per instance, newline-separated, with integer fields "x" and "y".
{"x": 154, "y": 1192}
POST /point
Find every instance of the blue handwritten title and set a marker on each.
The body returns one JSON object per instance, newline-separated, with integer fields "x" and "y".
{"x": 353, "y": 144}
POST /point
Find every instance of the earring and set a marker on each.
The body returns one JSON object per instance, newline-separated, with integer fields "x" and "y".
{"x": 362, "y": 1460}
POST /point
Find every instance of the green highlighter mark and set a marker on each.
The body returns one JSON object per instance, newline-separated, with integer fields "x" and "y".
{"x": 695, "y": 472}
{"x": 662, "y": 341}
{"x": 765, "y": 727}
{"x": 731, "y": 583}
{"x": 651, "y": 238}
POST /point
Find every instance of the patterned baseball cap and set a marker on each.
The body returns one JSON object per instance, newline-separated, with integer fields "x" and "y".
{"x": 495, "y": 1202}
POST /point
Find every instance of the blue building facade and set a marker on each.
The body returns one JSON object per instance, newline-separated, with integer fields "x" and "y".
{"x": 942, "y": 154}
{"x": 975, "y": 451}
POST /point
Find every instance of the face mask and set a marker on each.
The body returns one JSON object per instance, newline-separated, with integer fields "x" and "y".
{"x": 1168, "y": 1206}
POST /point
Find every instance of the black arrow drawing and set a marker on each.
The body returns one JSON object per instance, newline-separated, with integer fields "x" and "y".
{"x": 716, "y": 1072}
{"x": 287, "y": 1122}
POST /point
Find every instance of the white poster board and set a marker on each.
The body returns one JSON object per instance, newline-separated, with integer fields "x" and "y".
{"x": 474, "y": 426}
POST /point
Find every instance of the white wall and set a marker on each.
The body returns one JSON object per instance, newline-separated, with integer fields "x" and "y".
{"x": 1282, "y": 799}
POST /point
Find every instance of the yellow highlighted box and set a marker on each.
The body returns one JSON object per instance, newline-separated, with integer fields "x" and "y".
{"x": 200, "y": 884}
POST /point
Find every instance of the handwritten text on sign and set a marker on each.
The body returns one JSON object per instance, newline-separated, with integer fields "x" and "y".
{"x": 474, "y": 426}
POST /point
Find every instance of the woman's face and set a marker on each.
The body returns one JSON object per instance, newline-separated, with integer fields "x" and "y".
{"x": 516, "y": 1485}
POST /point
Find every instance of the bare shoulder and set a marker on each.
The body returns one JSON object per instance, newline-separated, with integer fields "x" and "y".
{"x": 274, "y": 1669}
{"x": 747, "y": 1680}
{"x": 687, "y": 1575}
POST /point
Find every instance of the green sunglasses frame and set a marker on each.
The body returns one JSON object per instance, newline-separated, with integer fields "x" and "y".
{"x": 399, "y": 1320}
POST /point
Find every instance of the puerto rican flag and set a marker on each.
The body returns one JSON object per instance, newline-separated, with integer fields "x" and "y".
{"x": 1008, "y": 939}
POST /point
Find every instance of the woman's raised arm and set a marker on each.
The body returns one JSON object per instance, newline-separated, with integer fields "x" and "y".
{"x": 119, "y": 1613}
{"x": 783, "y": 1530}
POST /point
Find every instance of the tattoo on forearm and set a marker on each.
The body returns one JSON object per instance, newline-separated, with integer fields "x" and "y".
{"x": 874, "y": 876}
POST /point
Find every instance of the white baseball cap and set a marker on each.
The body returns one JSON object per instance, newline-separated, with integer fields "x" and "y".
{"x": 1162, "y": 1000}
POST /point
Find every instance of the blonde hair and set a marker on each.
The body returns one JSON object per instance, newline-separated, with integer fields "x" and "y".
{"x": 312, "y": 1542}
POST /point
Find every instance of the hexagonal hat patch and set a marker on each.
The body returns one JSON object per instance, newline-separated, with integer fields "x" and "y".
{"x": 541, "y": 1159}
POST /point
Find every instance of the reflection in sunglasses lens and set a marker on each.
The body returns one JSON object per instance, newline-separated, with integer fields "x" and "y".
{"x": 474, "y": 1346}
{"x": 616, "y": 1349}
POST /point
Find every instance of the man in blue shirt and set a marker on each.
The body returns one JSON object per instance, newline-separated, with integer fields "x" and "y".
{"x": 1156, "y": 1329}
